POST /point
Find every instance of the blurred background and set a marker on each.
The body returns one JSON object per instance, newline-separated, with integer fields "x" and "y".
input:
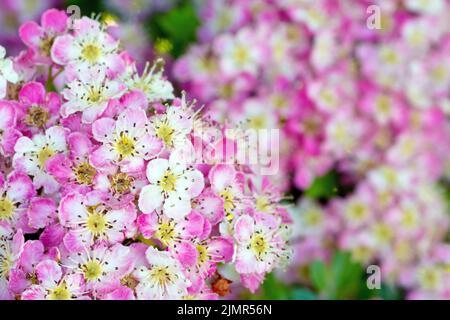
{"x": 361, "y": 93}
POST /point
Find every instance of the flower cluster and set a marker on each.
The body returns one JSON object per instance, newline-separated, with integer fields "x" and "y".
{"x": 362, "y": 95}
{"x": 99, "y": 199}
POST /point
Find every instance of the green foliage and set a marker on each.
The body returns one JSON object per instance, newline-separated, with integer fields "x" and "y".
{"x": 324, "y": 187}
{"x": 178, "y": 27}
{"x": 342, "y": 279}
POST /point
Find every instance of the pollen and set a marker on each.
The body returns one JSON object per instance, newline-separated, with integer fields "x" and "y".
{"x": 6, "y": 209}
{"x": 60, "y": 293}
{"x": 44, "y": 155}
{"x": 259, "y": 245}
{"x": 168, "y": 182}
{"x": 96, "y": 222}
{"x": 37, "y": 117}
{"x": 91, "y": 53}
{"x": 92, "y": 270}
{"x": 84, "y": 173}
{"x": 124, "y": 146}
{"x": 165, "y": 133}
{"x": 121, "y": 183}
{"x": 166, "y": 232}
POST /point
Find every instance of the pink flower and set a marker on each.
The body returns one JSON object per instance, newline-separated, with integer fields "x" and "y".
{"x": 11, "y": 246}
{"x": 163, "y": 279}
{"x": 9, "y": 134}
{"x": 40, "y": 38}
{"x": 261, "y": 243}
{"x": 89, "y": 221}
{"x": 172, "y": 186}
{"x": 126, "y": 142}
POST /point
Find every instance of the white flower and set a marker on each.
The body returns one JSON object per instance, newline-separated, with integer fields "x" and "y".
{"x": 151, "y": 82}
{"x": 163, "y": 280}
{"x": 7, "y": 72}
{"x": 32, "y": 155}
{"x": 172, "y": 186}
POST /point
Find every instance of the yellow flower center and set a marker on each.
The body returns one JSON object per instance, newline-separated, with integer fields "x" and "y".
{"x": 202, "y": 254}
{"x": 92, "y": 270}
{"x": 228, "y": 202}
{"x": 162, "y": 276}
{"x": 165, "y": 232}
{"x": 121, "y": 183}
{"x": 44, "y": 155}
{"x": 96, "y": 222}
{"x": 91, "y": 53}
{"x": 168, "y": 181}
{"x": 259, "y": 245}
{"x": 262, "y": 204}
{"x": 6, "y": 209}
{"x": 60, "y": 293}
{"x": 258, "y": 122}
{"x": 84, "y": 173}
{"x": 241, "y": 55}
{"x": 313, "y": 217}
{"x": 37, "y": 117}
{"x": 165, "y": 133}
{"x": 124, "y": 146}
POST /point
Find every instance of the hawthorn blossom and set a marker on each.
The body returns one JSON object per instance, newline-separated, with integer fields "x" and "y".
{"x": 126, "y": 142}
{"x": 172, "y": 186}
{"x": 89, "y": 221}
{"x": 32, "y": 155}
{"x": 7, "y": 73}
{"x": 163, "y": 279}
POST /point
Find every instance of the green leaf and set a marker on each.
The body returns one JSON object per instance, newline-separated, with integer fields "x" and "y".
{"x": 324, "y": 187}
{"x": 177, "y": 27}
{"x": 319, "y": 275}
{"x": 303, "y": 294}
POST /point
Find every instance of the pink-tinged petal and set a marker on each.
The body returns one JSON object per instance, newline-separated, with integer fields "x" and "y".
{"x": 131, "y": 119}
{"x": 79, "y": 144}
{"x": 94, "y": 112}
{"x": 102, "y": 156}
{"x": 10, "y": 138}
{"x": 72, "y": 209}
{"x": 186, "y": 254}
{"x": 32, "y": 93}
{"x": 56, "y": 136}
{"x": 72, "y": 242}
{"x": 20, "y": 187}
{"x": 147, "y": 224}
{"x": 7, "y": 116}
{"x": 52, "y": 236}
{"x": 211, "y": 206}
{"x": 34, "y": 292}
{"x": 150, "y": 198}
{"x": 132, "y": 165}
{"x": 103, "y": 129}
{"x": 17, "y": 244}
{"x": 193, "y": 183}
{"x": 30, "y": 33}
{"x": 41, "y": 212}
{"x": 120, "y": 293}
{"x": 122, "y": 217}
{"x": 244, "y": 228}
{"x": 149, "y": 146}
{"x": 156, "y": 170}
{"x": 23, "y": 145}
{"x": 193, "y": 225}
{"x": 59, "y": 166}
{"x": 245, "y": 261}
{"x": 223, "y": 247}
{"x": 177, "y": 207}
{"x": 32, "y": 254}
{"x": 118, "y": 260}
{"x": 53, "y": 102}
{"x": 54, "y": 20}
{"x": 221, "y": 176}
{"x": 46, "y": 181}
{"x": 18, "y": 281}
{"x": 252, "y": 281}
{"x": 267, "y": 221}
{"x": 48, "y": 273}
{"x": 135, "y": 99}
{"x": 62, "y": 51}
